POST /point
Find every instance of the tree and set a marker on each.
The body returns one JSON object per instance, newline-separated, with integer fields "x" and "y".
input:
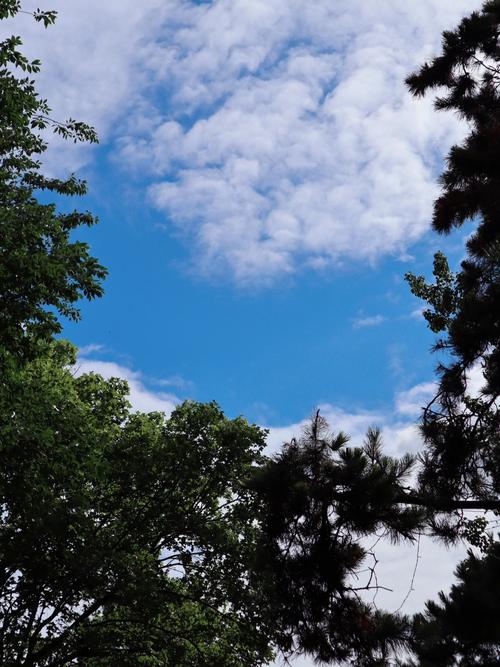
{"x": 463, "y": 628}
{"x": 42, "y": 271}
{"x": 123, "y": 535}
{"x": 461, "y": 432}
{"x": 324, "y": 497}
{"x": 125, "y": 538}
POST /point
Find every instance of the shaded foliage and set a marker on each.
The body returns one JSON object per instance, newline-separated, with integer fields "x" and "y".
{"x": 462, "y": 432}
{"x": 122, "y": 533}
{"x": 324, "y": 498}
{"x": 463, "y": 628}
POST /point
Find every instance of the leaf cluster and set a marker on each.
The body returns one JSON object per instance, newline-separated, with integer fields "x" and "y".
{"x": 43, "y": 271}
{"x": 121, "y": 533}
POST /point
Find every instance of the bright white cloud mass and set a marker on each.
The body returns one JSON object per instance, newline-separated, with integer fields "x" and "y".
{"x": 286, "y": 135}
{"x": 288, "y": 138}
{"x": 275, "y": 134}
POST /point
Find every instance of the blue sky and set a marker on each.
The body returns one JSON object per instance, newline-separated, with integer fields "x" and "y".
{"x": 263, "y": 182}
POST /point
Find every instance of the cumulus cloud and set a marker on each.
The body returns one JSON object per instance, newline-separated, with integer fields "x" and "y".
{"x": 288, "y": 139}
{"x": 399, "y": 432}
{"x": 276, "y": 135}
{"x": 141, "y": 397}
{"x": 411, "y": 402}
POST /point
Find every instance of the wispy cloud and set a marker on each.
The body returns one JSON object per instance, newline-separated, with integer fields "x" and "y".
{"x": 417, "y": 314}
{"x": 372, "y": 321}
{"x": 176, "y": 381}
{"x": 92, "y": 348}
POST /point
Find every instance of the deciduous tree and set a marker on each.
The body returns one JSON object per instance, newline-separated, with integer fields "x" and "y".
{"x": 125, "y": 538}
{"x": 123, "y": 535}
{"x": 43, "y": 271}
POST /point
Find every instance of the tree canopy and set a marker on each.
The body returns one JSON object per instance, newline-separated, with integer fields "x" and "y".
{"x": 122, "y": 534}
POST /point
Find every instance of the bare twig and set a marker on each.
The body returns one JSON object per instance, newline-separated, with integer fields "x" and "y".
{"x": 411, "y": 589}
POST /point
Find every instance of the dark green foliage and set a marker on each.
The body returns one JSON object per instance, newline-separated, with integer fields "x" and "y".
{"x": 442, "y": 296}
{"x": 322, "y": 497}
{"x": 462, "y": 432}
{"x": 186, "y": 634}
{"x": 122, "y": 534}
{"x": 43, "y": 272}
{"x": 463, "y": 628}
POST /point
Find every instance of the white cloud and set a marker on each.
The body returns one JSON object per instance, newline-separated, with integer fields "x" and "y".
{"x": 278, "y": 134}
{"x": 399, "y": 433}
{"x": 417, "y": 313}
{"x": 371, "y": 321}
{"x": 91, "y": 348}
{"x": 475, "y": 380}
{"x": 411, "y": 402}
{"x": 288, "y": 138}
{"x": 354, "y": 424}
{"x": 141, "y": 398}
{"x": 175, "y": 381}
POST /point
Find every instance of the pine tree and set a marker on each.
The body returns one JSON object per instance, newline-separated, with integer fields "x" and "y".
{"x": 323, "y": 497}
{"x": 462, "y": 629}
{"x": 462, "y": 432}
